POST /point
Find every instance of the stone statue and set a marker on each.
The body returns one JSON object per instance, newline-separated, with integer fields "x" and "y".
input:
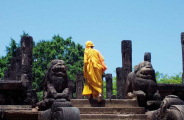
{"x": 55, "y": 84}
{"x": 142, "y": 82}
{"x": 55, "y": 104}
{"x": 56, "y": 81}
{"x": 171, "y": 109}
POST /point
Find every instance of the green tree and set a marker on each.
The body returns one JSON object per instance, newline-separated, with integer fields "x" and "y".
{"x": 114, "y": 86}
{"x": 5, "y": 60}
{"x": 164, "y": 78}
{"x": 58, "y": 48}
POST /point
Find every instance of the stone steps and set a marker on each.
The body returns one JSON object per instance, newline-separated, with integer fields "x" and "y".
{"x": 119, "y": 103}
{"x": 113, "y": 117}
{"x": 21, "y": 115}
{"x": 114, "y": 109}
{"x": 15, "y": 107}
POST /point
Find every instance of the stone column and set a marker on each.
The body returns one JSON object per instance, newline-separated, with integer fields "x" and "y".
{"x": 79, "y": 85}
{"x": 26, "y": 54}
{"x": 182, "y": 45}
{"x": 147, "y": 56}
{"x": 70, "y": 86}
{"x": 119, "y": 82}
{"x": 126, "y": 51}
{"x": 108, "y": 78}
{"x": 18, "y": 64}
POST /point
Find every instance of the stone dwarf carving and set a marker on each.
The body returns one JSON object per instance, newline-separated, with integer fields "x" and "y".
{"x": 55, "y": 104}
{"x": 171, "y": 109}
{"x": 142, "y": 82}
{"x": 55, "y": 85}
{"x": 56, "y": 81}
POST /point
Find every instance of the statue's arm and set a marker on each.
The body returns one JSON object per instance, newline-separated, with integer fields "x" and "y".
{"x": 51, "y": 91}
{"x": 64, "y": 94}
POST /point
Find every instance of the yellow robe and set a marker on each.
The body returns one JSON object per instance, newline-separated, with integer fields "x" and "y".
{"x": 94, "y": 67}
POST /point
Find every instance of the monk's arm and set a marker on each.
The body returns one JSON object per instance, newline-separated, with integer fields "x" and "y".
{"x": 85, "y": 65}
{"x": 104, "y": 67}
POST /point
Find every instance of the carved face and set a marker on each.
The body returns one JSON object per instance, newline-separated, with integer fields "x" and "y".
{"x": 144, "y": 70}
{"x": 58, "y": 75}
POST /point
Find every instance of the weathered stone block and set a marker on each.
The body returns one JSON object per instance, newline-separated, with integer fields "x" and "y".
{"x": 79, "y": 85}
{"x": 108, "y": 78}
{"x": 147, "y": 56}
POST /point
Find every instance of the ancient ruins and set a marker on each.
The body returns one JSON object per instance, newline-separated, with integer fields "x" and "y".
{"x": 139, "y": 97}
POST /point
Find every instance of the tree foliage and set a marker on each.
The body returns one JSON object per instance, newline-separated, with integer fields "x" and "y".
{"x": 58, "y": 48}
{"x": 5, "y": 60}
{"x": 164, "y": 78}
{"x": 43, "y": 53}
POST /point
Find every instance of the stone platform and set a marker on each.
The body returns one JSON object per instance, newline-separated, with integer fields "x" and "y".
{"x": 115, "y": 109}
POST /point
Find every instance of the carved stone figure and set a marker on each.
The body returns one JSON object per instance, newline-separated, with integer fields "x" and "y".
{"x": 55, "y": 84}
{"x": 171, "y": 109}
{"x": 56, "y": 81}
{"x": 142, "y": 82}
{"x": 56, "y": 93}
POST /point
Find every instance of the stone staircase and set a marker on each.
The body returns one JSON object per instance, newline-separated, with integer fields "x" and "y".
{"x": 114, "y": 109}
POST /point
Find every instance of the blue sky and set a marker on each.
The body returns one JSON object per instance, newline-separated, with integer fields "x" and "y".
{"x": 152, "y": 25}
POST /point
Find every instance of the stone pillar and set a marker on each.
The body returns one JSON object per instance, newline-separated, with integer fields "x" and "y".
{"x": 182, "y": 45}
{"x": 26, "y": 54}
{"x": 126, "y": 51}
{"x": 147, "y": 56}
{"x": 70, "y": 86}
{"x": 119, "y": 82}
{"x": 108, "y": 78}
{"x": 79, "y": 85}
{"x": 18, "y": 64}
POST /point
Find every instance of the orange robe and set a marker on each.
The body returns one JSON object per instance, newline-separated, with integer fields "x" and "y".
{"x": 94, "y": 67}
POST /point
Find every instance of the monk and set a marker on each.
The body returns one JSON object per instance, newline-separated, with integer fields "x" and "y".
{"x": 94, "y": 67}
